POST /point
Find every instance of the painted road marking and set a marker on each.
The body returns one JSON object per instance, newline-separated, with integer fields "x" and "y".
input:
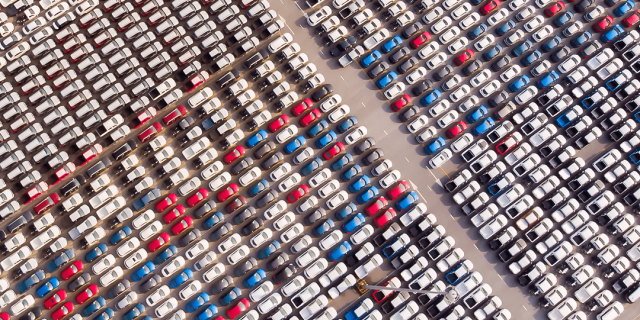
{"x": 437, "y": 180}
{"x": 363, "y": 104}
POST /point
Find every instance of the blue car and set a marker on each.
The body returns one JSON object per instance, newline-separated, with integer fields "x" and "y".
{"x": 549, "y": 45}
{"x": 258, "y": 187}
{"x": 477, "y": 114}
{"x": 367, "y": 195}
{"x": 347, "y": 124}
{"x": 143, "y": 201}
{"x": 613, "y": 83}
{"x": 562, "y": 19}
{"x": 60, "y": 260}
{"x": 483, "y": 127}
{"x": 431, "y": 97}
{"x": 255, "y": 278}
{"x": 580, "y": 39}
{"x": 105, "y": 315}
{"x": 47, "y": 287}
{"x": 183, "y": 277}
{"x": 231, "y": 296}
{"x": 435, "y": 146}
{"x": 342, "y": 162}
{"x": 522, "y": 48}
{"x": 295, "y": 144}
{"x": 339, "y": 251}
{"x": 143, "y": 271}
{"x": 637, "y": 116}
{"x": 547, "y": 80}
{"x": 391, "y": 44}
{"x": 166, "y": 254}
{"x": 359, "y": 184}
{"x": 350, "y": 173}
{"x": 134, "y": 313}
{"x": 324, "y": 227}
{"x": 411, "y": 198}
{"x": 492, "y": 53}
{"x": 322, "y": 125}
{"x": 310, "y": 168}
{"x": 531, "y": 58}
{"x": 477, "y": 31}
{"x": 33, "y": 279}
{"x": 566, "y": 118}
{"x": 503, "y": 29}
{"x": 635, "y": 156}
{"x": 625, "y": 7}
{"x": 354, "y": 223}
{"x": 518, "y": 83}
{"x": 94, "y": 306}
{"x": 273, "y": 247}
{"x": 212, "y": 220}
{"x": 120, "y": 235}
{"x": 356, "y": 313}
{"x": 348, "y": 210}
{"x": 208, "y": 313}
{"x": 453, "y": 276}
{"x": 498, "y": 186}
{"x": 197, "y": 302}
{"x": 370, "y": 59}
{"x": 386, "y": 79}
{"x": 256, "y": 138}
{"x": 96, "y": 252}
{"x": 326, "y": 139}
{"x": 395, "y": 246}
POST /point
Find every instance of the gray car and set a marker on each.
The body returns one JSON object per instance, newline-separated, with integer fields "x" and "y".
{"x": 209, "y": 206}
{"x": 80, "y": 281}
{"x": 221, "y": 232}
{"x": 121, "y": 287}
{"x": 151, "y": 283}
{"x": 190, "y": 237}
{"x": 242, "y": 165}
{"x": 265, "y": 149}
{"x": 222, "y": 284}
{"x": 267, "y": 199}
{"x": 281, "y": 259}
{"x": 272, "y": 160}
{"x": 244, "y": 215}
{"x": 316, "y": 215}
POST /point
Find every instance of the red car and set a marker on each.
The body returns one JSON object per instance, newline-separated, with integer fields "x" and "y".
{"x": 241, "y": 307}
{"x": 197, "y": 197}
{"x": 85, "y": 295}
{"x": 602, "y": 24}
{"x": 93, "y": 152}
{"x": 176, "y": 114}
{"x": 420, "y": 40}
{"x": 400, "y": 188}
{"x": 173, "y": 214}
{"x": 234, "y": 154}
{"x": 380, "y": 295}
{"x": 509, "y": 143}
{"x": 63, "y": 311}
{"x": 333, "y": 151}
{"x": 36, "y": 191}
{"x": 150, "y": 132}
{"x": 225, "y": 194}
{"x": 631, "y": 20}
{"x": 199, "y": 79}
{"x": 302, "y": 107}
{"x": 376, "y": 206}
{"x": 5, "y": 316}
{"x": 298, "y": 193}
{"x": 55, "y": 299}
{"x": 463, "y": 57}
{"x": 71, "y": 270}
{"x": 167, "y": 202}
{"x": 181, "y": 225}
{"x": 554, "y": 9}
{"x": 235, "y": 204}
{"x": 489, "y": 7}
{"x": 387, "y": 216}
{"x": 278, "y": 123}
{"x": 310, "y": 117}
{"x": 456, "y": 129}
{"x": 401, "y": 103}
{"x": 144, "y": 117}
{"x": 65, "y": 171}
{"x": 47, "y": 203}
{"x": 158, "y": 242}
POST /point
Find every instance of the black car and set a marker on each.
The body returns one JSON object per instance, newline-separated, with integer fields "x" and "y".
{"x": 221, "y": 232}
{"x": 560, "y": 54}
{"x": 256, "y": 58}
{"x": 124, "y": 150}
{"x": 347, "y": 124}
{"x": 72, "y": 186}
{"x": 498, "y": 99}
{"x": 98, "y": 168}
{"x": 411, "y": 30}
{"x": 584, "y": 5}
{"x": 80, "y": 281}
{"x": 190, "y": 237}
{"x": 209, "y": 206}
{"x": 500, "y": 63}
{"x": 342, "y": 46}
{"x": 33, "y": 314}
{"x": 244, "y": 267}
{"x": 244, "y": 215}
{"x": 278, "y": 261}
{"x": 121, "y": 287}
{"x": 20, "y": 222}
{"x": 378, "y": 69}
{"x": 265, "y": 149}
{"x": 151, "y": 283}
{"x": 322, "y": 92}
{"x": 226, "y": 80}
{"x": 471, "y": 67}
{"x": 252, "y": 226}
{"x": 409, "y": 113}
{"x": 374, "y": 156}
{"x": 284, "y": 274}
{"x": 222, "y": 284}
{"x": 422, "y": 87}
{"x": 365, "y": 145}
{"x": 316, "y": 215}
{"x": 445, "y": 71}
{"x": 272, "y": 160}
{"x": 408, "y": 64}
{"x": 399, "y": 54}
{"x": 241, "y": 166}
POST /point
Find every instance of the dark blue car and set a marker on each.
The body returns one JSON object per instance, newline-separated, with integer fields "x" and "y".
{"x": 310, "y": 168}
{"x": 492, "y": 53}
{"x": 347, "y": 124}
{"x": 368, "y": 194}
{"x": 326, "y": 139}
{"x": 105, "y": 315}
{"x": 370, "y": 58}
{"x": 562, "y": 19}
{"x": 359, "y": 184}
{"x": 120, "y": 235}
{"x": 166, "y": 254}
{"x": 324, "y": 227}
{"x": 411, "y": 198}
{"x": 391, "y": 44}
{"x": 60, "y": 260}
{"x": 350, "y": 173}
{"x": 522, "y": 48}
{"x": 348, "y": 210}
{"x": 295, "y": 144}
{"x": 518, "y": 83}
{"x": 183, "y": 277}
{"x": 197, "y": 302}
{"x": 94, "y": 306}
{"x": 342, "y": 162}
{"x": 339, "y": 251}
{"x": 551, "y": 44}
{"x": 134, "y": 312}
{"x": 34, "y": 279}
{"x": 477, "y": 31}
{"x": 431, "y": 97}
{"x": 477, "y": 114}
{"x": 96, "y": 252}
{"x": 47, "y": 287}
{"x": 258, "y": 187}
{"x": 143, "y": 201}
{"x": 269, "y": 250}
{"x": 354, "y": 223}
{"x": 453, "y": 275}
{"x": 317, "y": 128}
{"x": 386, "y": 79}
{"x": 531, "y": 58}
{"x": 231, "y": 296}
{"x": 581, "y": 39}
{"x": 146, "y": 269}
{"x": 255, "y": 278}
{"x": 212, "y": 220}
{"x": 503, "y": 29}
{"x": 547, "y": 80}
{"x": 435, "y": 146}
{"x": 256, "y": 138}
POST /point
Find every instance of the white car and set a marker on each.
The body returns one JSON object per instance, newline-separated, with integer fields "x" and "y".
{"x": 111, "y": 276}
{"x": 307, "y": 257}
{"x": 197, "y": 249}
{"x": 498, "y": 16}
{"x": 441, "y": 158}
{"x": 484, "y": 42}
{"x": 393, "y": 91}
{"x": 103, "y": 264}
{"x": 238, "y": 254}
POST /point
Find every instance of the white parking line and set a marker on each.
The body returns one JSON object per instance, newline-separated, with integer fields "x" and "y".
{"x": 406, "y": 159}
{"x": 285, "y": 23}
{"x": 363, "y": 104}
